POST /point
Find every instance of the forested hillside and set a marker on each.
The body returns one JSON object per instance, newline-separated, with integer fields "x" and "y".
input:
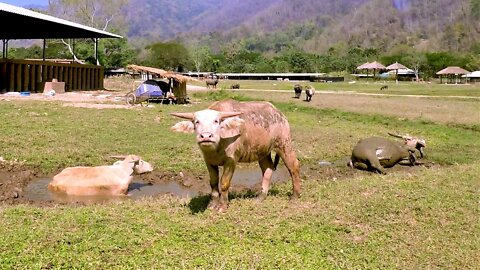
{"x": 275, "y": 35}
{"x": 313, "y": 25}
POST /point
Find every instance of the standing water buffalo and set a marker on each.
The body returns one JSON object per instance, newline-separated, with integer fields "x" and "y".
{"x": 309, "y": 92}
{"x": 377, "y": 153}
{"x": 298, "y": 90}
{"x": 211, "y": 83}
{"x": 229, "y": 132}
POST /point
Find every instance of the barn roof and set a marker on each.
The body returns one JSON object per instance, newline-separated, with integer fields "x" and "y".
{"x": 21, "y": 23}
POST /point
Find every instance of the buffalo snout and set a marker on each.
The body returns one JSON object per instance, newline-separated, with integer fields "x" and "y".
{"x": 205, "y": 137}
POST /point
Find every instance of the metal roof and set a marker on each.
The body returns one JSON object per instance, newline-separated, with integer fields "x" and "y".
{"x": 21, "y": 23}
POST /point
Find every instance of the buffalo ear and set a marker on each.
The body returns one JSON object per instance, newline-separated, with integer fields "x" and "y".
{"x": 183, "y": 126}
{"x": 231, "y": 127}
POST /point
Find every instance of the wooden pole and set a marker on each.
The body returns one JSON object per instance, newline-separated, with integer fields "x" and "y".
{"x": 25, "y": 77}
{"x": 31, "y": 77}
{"x": 43, "y": 52}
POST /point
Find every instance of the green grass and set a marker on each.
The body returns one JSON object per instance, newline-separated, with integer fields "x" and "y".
{"x": 426, "y": 218}
{"x": 362, "y": 86}
{"x": 398, "y": 221}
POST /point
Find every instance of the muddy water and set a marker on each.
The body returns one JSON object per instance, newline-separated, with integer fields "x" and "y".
{"x": 243, "y": 178}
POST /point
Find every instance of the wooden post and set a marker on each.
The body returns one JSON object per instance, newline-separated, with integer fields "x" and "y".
{"x": 97, "y": 78}
{"x": 18, "y": 77}
{"x": 87, "y": 78}
{"x": 31, "y": 81}
{"x": 44, "y": 72}
{"x": 83, "y": 79}
{"x": 61, "y": 74}
{"x": 92, "y": 78}
{"x": 38, "y": 77}
{"x": 55, "y": 72}
{"x": 75, "y": 78}
{"x": 50, "y": 73}
{"x": 25, "y": 77}
{"x": 70, "y": 78}
{"x": 11, "y": 70}
{"x": 3, "y": 76}
{"x": 101, "y": 79}
{"x": 65, "y": 77}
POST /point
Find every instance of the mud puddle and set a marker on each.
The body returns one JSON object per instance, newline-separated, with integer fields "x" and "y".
{"x": 243, "y": 178}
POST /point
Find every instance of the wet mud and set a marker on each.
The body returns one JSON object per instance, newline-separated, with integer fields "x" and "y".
{"x": 20, "y": 184}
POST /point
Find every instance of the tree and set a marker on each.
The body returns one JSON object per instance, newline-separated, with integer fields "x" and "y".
{"x": 116, "y": 53}
{"x": 201, "y": 56}
{"x": 168, "y": 55}
{"x": 104, "y": 15}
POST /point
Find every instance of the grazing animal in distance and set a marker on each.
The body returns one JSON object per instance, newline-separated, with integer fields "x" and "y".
{"x": 309, "y": 92}
{"x": 298, "y": 90}
{"x": 211, "y": 83}
{"x": 376, "y": 153}
{"x": 229, "y": 132}
{"x": 112, "y": 180}
{"x": 385, "y": 87}
{"x": 235, "y": 86}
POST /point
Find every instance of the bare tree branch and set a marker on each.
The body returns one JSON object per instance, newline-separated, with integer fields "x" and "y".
{"x": 70, "y": 49}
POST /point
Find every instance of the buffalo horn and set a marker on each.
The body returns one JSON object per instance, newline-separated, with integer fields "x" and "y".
{"x": 188, "y": 116}
{"x": 118, "y": 156}
{"x": 395, "y": 135}
{"x": 229, "y": 114}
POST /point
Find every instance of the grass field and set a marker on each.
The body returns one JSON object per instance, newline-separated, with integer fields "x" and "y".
{"x": 411, "y": 218}
{"x": 362, "y": 86}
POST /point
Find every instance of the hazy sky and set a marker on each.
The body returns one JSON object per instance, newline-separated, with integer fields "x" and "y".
{"x": 22, "y": 3}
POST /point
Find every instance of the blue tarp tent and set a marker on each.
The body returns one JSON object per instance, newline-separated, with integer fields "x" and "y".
{"x": 151, "y": 87}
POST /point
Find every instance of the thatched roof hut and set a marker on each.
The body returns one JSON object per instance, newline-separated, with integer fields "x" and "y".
{"x": 364, "y": 65}
{"x": 375, "y": 65}
{"x": 160, "y": 72}
{"x": 178, "y": 81}
{"x": 452, "y": 73}
{"x": 396, "y": 66}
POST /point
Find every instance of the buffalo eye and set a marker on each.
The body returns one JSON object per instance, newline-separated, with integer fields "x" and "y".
{"x": 216, "y": 121}
{"x": 196, "y": 122}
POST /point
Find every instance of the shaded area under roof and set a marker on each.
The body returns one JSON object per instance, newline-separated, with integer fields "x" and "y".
{"x": 21, "y": 23}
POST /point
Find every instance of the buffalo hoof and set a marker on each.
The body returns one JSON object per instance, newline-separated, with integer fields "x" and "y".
{"x": 295, "y": 196}
{"x": 214, "y": 201}
{"x": 217, "y": 205}
{"x": 221, "y": 207}
{"x": 261, "y": 197}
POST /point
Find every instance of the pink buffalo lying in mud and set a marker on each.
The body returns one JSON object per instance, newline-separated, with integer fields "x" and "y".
{"x": 229, "y": 132}
{"x": 110, "y": 180}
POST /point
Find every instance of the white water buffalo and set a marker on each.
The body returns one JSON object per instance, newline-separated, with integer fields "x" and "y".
{"x": 229, "y": 132}
{"x": 110, "y": 180}
{"x": 309, "y": 92}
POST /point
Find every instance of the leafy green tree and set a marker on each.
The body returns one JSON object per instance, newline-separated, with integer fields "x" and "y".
{"x": 439, "y": 60}
{"x": 116, "y": 53}
{"x": 201, "y": 57}
{"x": 166, "y": 55}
